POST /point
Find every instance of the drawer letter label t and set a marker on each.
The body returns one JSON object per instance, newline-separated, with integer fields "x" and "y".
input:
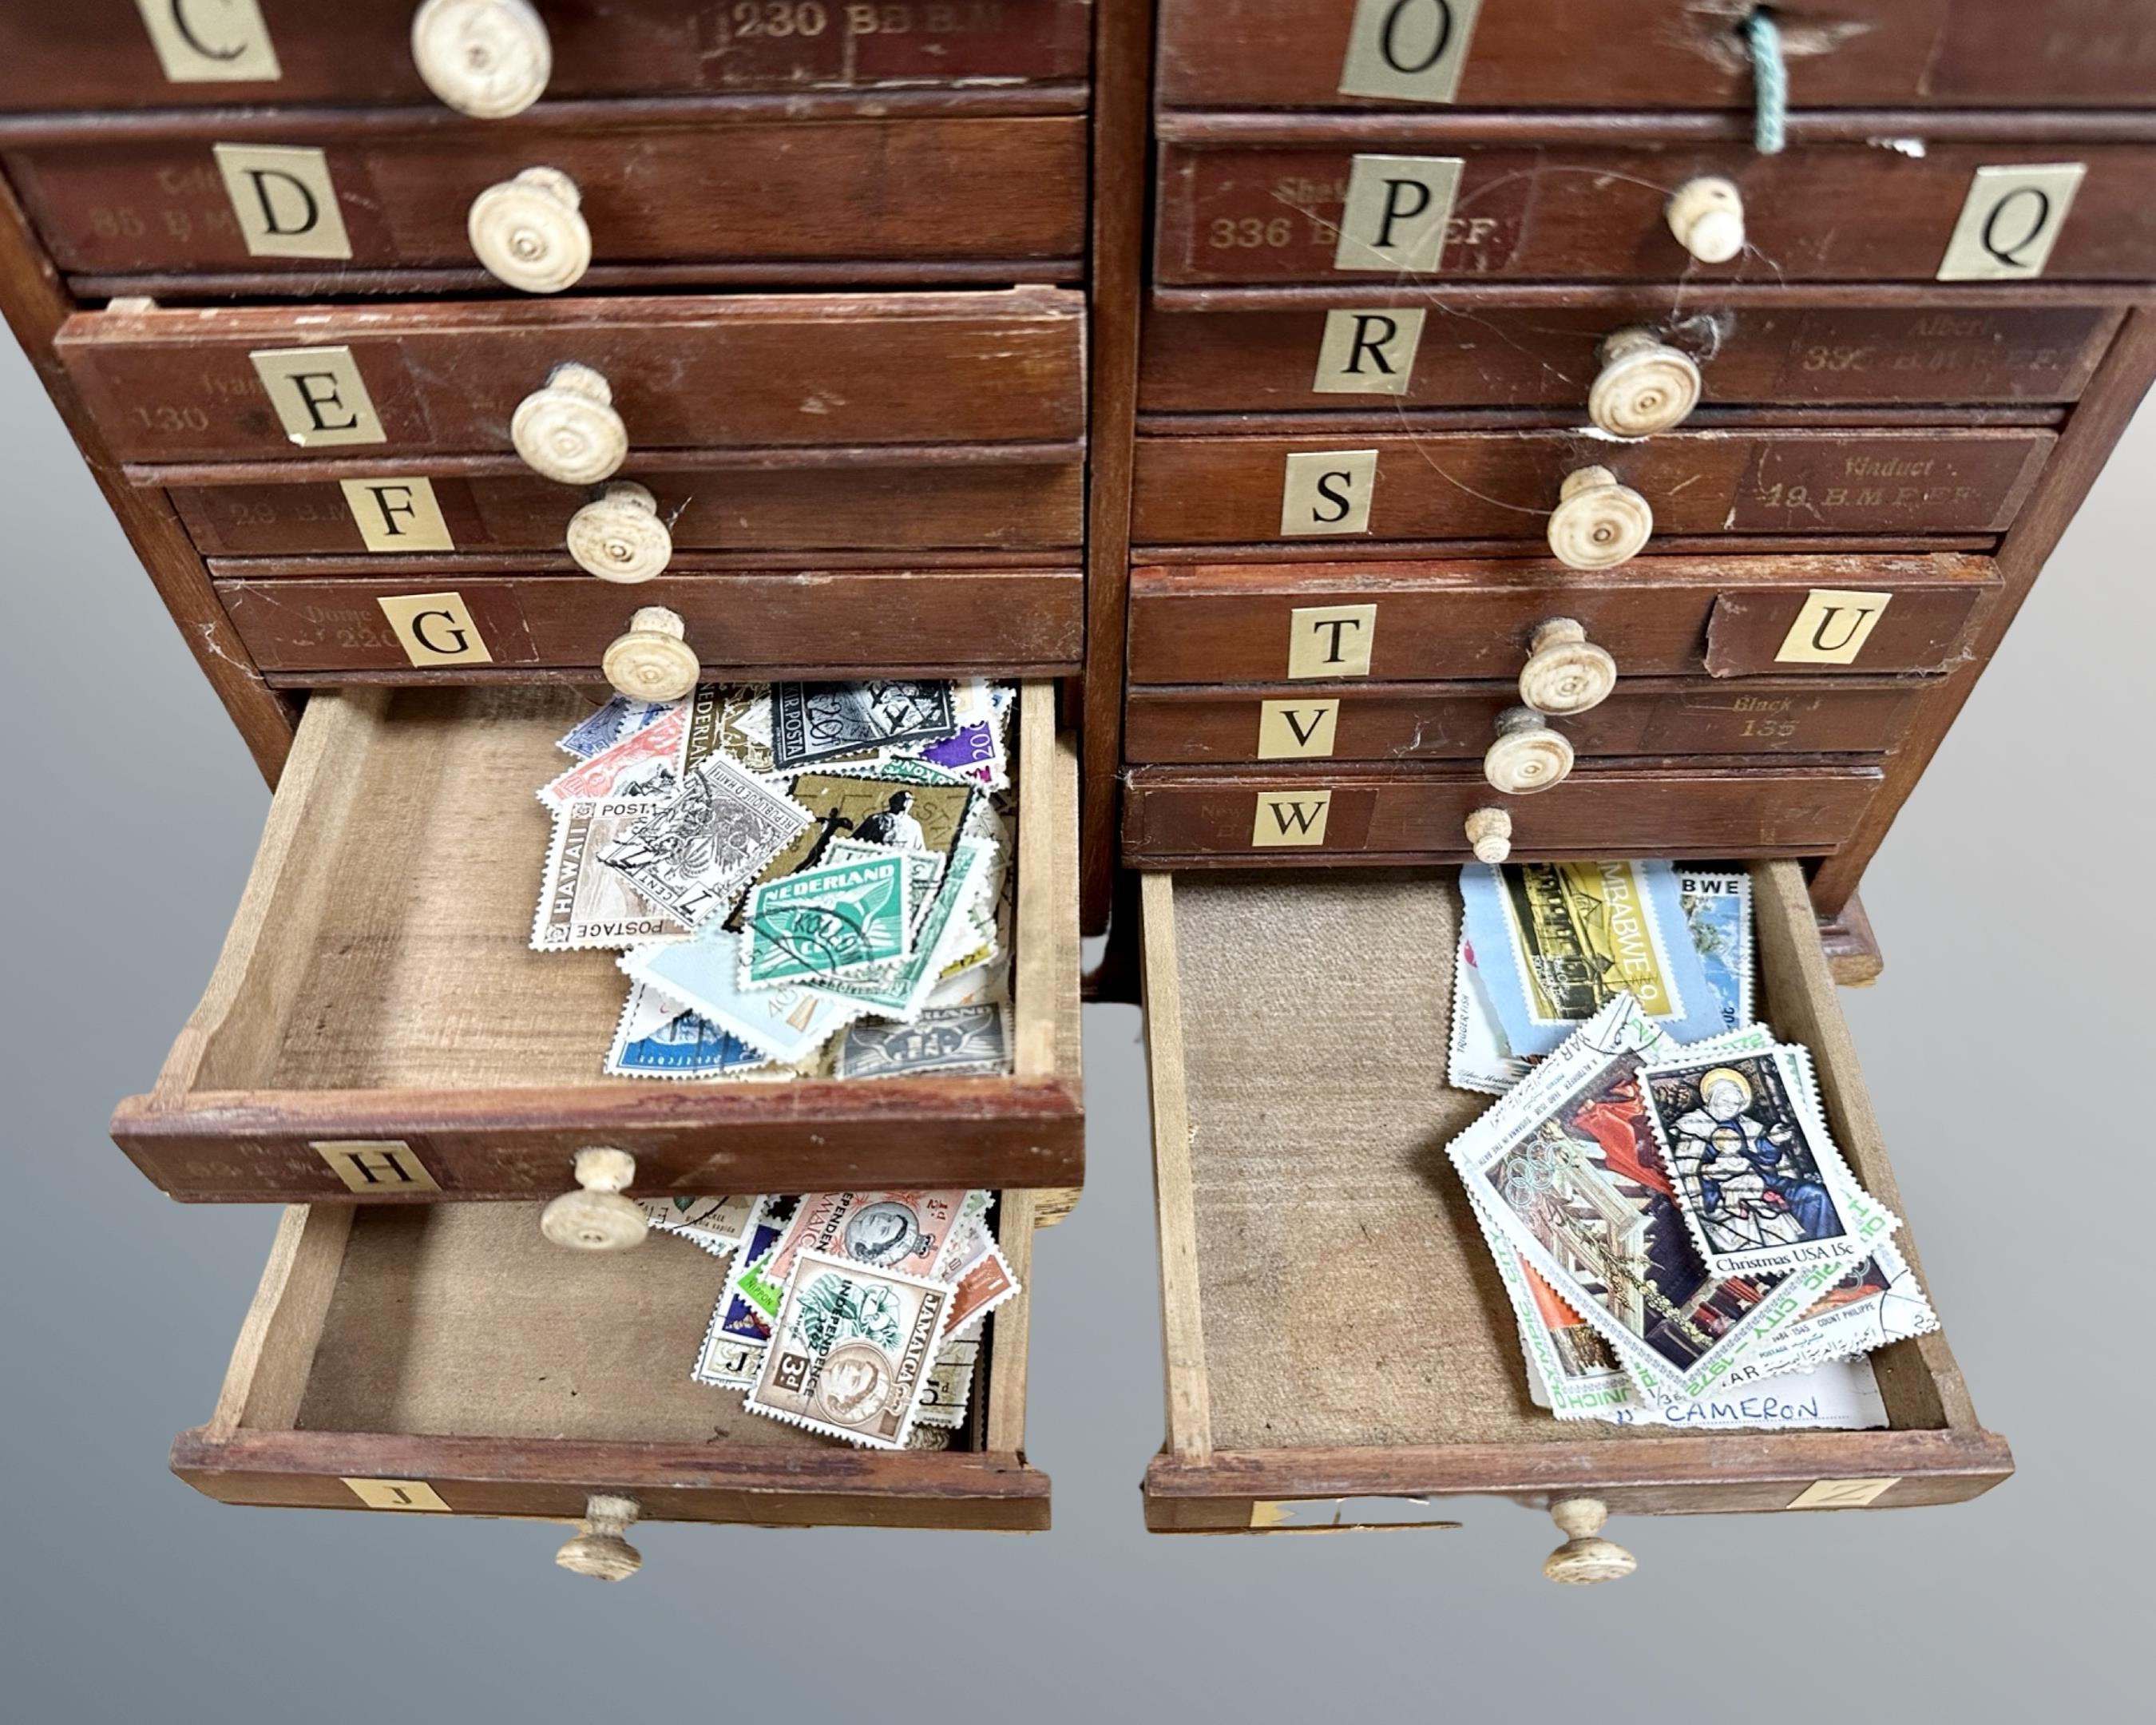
{"x": 321, "y": 400}
{"x": 1331, "y": 640}
{"x": 1832, "y": 628}
{"x": 210, "y": 41}
{"x": 1410, "y": 50}
{"x": 286, "y": 205}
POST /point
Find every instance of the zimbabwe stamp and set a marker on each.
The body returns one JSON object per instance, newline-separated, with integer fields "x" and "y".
{"x": 640, "y": 765}
{"x": 850, "y": 1351}
{"x": 1717, "y": 910}
{"x": 582, "y": 904}
{"x": 1749, "y": 1165}
{"x": 823, "y": 721}
{"x": 658, "y": 1037}
{"x": 785, "y": 1024}
{"x": 826, "y": 922}
{"x": 909, "y": 1232}
{"x": 693, "y": 855}
{"x": 954, "y": 1040}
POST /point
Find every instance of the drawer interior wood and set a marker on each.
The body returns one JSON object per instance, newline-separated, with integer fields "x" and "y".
{"x": 454, "y": 1346}
{"x": 378, "y": 983}
{"x": 1335, "y": 1326}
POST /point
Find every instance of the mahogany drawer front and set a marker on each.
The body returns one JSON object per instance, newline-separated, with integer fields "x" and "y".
{"x": 743, "y": 625}
{"x": 449, "y": 1361}
{"x": 1299, "y": 722}
{"x": 1219, "y": 350}
{"x": 1273, "y": 815}
{"x": 1239, "y": 622}
{"x": 1655, "y": 54}
{"x": 377, "y": 990}
{"x": 720, "y": 183}
{"x": 994, "y": 496}
{"x": 1301, "y": 1400}
{"x": 97, "y": 54}
{"x": 1239, "y": 202}
{"x": 687, "y": 372}
{"x": 1439, "y": 485}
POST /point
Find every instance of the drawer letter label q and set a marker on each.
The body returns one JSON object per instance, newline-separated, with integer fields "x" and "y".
{"x": 435, "y": 629}
{"x": 1327, "y": 492}
{"x": 1290, "y": 818}
{"x": 283, "y": 195}
{"x": 1411, "y": 50}
{"x": 210, "y": 41}
{"x": 375, "y": 1164}
{"x": 1288, "y": 730}
{"x": 1367, "y": 353}
{"x": 398, "y": 1494}
{"x": 321, "y": 400}
{"x": 1331, "y": 640}
{"x": 1833, "y": 627}
{"x": 397, "y": 514}
{"x": 1399, "y": 207}
{"x": 2010, "y": 221}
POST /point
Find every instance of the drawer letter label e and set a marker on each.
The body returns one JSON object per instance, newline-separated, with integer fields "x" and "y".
{"x": 284, "y": 200}
{"x": 1833, "y": 627}
{"x": 435, "y": 629}
{"x": 1290, "y": 818}
{"x": 1410, "y": 50}
{"x": 321, "y": 400}
{"x": 210, "y": 41}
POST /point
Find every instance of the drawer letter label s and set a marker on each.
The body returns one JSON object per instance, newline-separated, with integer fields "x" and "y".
{"x": 321, "y": 400}
{"x": 1327, "y": 492}
{"x": 284, "y": 199}
{"x": 1367, "y": 353}
{"x": 1331, "y": 640}
{"x": 1398, "y": 208}
{"x": 2010, "y": 221}
{"x": 1411, "y": 50}
{"x": 1290, "y": 818}
{"x": 376, "y": 1165}
{"x": 435, "y": 629}
{"x": 1833, "y": 627}
{"x": 397, "y": 514}
{"x": 210, "y": 41}
{"x": 1288, "y": 730}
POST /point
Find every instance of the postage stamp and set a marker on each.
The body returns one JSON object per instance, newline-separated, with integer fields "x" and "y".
{"x": 1749, "y": 1165}
{"x": 693, "y": 855}
{"x": 731, "y": 719}
{"x": 1556, "y": 942}
{"x": 735, "y": 1316}
{"x": 786, "y": 1025}
{"x": 1478, "y": 1057}
{"x": 907, "y": 1231}
{"x": 714, "y": 1224}
{"x": 726, "y": 1362}
{"x": 875, "y": 809}
{"x": 899, "y": 990}
{"x": 1879, "y": 1301}
{"x": 924, "y": 871}
{"x": 826, "y": 922}
{"x": 1717, "y": 909}
{"x": 606, "y": 726}
{"x": 583, "y": 904}
{"x": 642, "y": 764}
{"x": 658, "y": 1037}
{"x": 822, "y": 721}
{"x": 755, "y": 1283}
{"x": 984, "y": 1281}
{"x": 851, "y": 1350}
{"x": 950, "y": 1383}
{"x": 954, "y": 1040}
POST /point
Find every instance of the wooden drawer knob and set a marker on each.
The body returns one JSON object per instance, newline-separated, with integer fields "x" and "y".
{"x": 1585, "y": 1558}
{"x": 1707, "y": 217}
{"x": 1527, "y": 756}
{"x": 596, "y": 1218}
{"x": 1645, "y": 385}
{"x": 529, "y": 233}
{"x": 488, "y": 58}
{"x": 652, "y": 661}
{"x": 619, "y": 536}
{"x": 568, "y": 430}
{"x": 599, "y": 1551}
{"x": 1598, "y": 523}
{"x": 1490, "y": 834}
{"x": 1565, "y": 672}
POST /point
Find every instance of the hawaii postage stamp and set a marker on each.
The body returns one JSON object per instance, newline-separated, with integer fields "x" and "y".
{"x": 909, "y": 1232}
{"x": 693, "y": 855}
{"x": 1717, "y": 909}
{"x": 715, "y": 1223}
{"x": 583, "y": 904}
{"x": 954, "y": 1040}
{"x": 642, "y": 764}
{"x": 826, "y": 922}
{"x": 850, "y": 1352}
{"x": 785, "y": 1024}
{"x": 823, "y": 721}
{"x": 658, "y": 1037}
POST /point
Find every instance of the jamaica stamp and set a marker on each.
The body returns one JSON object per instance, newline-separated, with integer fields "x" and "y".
{"x": 850, "y": 1351}
{"x": 823, "y": 721}
{"x": 826, "y": 922}
{"x": 581, "y": 904}
{"x": 693, "y": 855}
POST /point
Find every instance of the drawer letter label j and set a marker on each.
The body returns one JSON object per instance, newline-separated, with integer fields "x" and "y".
{"x": 1832, "y": 628}
{"x": 1290, "y": 818}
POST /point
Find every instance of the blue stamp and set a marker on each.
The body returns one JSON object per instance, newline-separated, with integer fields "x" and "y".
{"x": 659, "y": 1038}
{"x": 1717, "y": 909}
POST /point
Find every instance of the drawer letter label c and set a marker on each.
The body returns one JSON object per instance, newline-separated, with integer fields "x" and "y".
{"x": 435, "y": 629}
{"x": 321, "y": 400}
{"x": 210, "y": 41}
{"x": 1410, "y": 50}
{"x": 1367, "y": 353}
{"x": 1287, "y": 818}
{"x": 286, "y": 202}
{"x": 1327, "y": 492}
{"x": 1833, "y": 627}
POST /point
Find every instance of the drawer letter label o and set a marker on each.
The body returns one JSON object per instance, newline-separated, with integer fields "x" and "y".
{"x": 1290, "y": 818}
{"x": 1367, "y": 353}
{"x": 210, "y": 41}
{"x": 321, "y": 400}
{"x": 2010, "y": 221}
{"x": 1833, "y": 627}
{"x": 1411, "y": 50}
{"x": 284, "y": 200}
{"x": 397, "y": 514}
{"x": 1398, "y": 208}
{"x": 435, "y": 629}
{"x": 1327, "y": 492}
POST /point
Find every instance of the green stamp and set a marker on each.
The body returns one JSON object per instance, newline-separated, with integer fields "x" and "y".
{"x": 825, "y": 922}
{"x": 758, "y": 1288}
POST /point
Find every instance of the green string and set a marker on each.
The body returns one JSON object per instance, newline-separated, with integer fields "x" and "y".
{"x": 1770, "y": 79}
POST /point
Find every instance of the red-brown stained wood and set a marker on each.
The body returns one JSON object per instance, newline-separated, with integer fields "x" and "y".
{"x": 873, "y": 501}
{"x": 697, "y": 371}
{"x": 95, "y": 53}
{"x": 1229, "y": 623}
{"x": 837, "y": 622}
{"x": 710, "y": 182}
{"x": 1680, "y": 53}
{"x": 1457, "y": 721}
{"x": 1478, "y": 351}
{"x": 1654, "y": 809}
{"x": 1253, "y": 210}
{"x": 1439, "y": 485}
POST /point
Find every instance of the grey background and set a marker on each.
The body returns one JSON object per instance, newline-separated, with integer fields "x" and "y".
{"x": 2008, "y": 1053}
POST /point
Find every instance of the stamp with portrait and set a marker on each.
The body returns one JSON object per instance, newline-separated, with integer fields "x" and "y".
{"x": 851, "y": 1351}
{"x": 905, "y": 1231}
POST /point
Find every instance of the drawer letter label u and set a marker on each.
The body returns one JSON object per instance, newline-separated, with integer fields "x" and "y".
{"x": 1833, "y": 627}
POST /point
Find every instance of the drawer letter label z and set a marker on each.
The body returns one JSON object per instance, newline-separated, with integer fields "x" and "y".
{"x": 1290, "y": 818}
{"x": 284, "y": 200}
{"x": 210, "y": 41}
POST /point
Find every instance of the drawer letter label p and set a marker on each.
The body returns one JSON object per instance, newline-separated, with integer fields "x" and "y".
{"x": 1399, "y": 208}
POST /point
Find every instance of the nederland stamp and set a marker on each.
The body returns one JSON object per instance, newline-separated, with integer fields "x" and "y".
{"x": 582, "y": 904}
{"x": 786, "y": 1025}
{"x": 954, "y": 1040}
{"x": 851, "y": 1350}
{"x": 658, "y": 1037}
{"x": 1717, "y": 910}
{"x": 924, "y": 871}
{"x": 899, "y": 990}
{"x": 822, "y": 721}
{"x": 693, "y": 855}
{"x": 950, "y": 1383}
{"x": 641, "y": 765}
{"x": 731, "y": 719}
{"x": 825, "y": 922}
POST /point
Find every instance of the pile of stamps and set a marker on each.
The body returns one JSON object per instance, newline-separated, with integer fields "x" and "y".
{"x": 1681, "y": 1239}
{"x": 856, "y": 1314}
{"x": 803, "y": 879}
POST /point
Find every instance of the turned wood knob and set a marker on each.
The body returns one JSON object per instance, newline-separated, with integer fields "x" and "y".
{"x": 1490, "y": 834}
{"x": 1599, "y": 523}
{"x": 1584, "y": 1557}
{"x": 1645, "y": 384}
{"x": 1527, "y": 756}
{"x": 619, "y": 536}
{"x": 596, "y": 1218}
{"x": 488, "y": 58}
{"x": 599, "y": 1551}
{"x": 567, "y": 429}
{"x": 1707, "y": 217}
{"x": 1565, "y": 672}
{"x": 529, "y": 233}
{"x": 652, "y": 661}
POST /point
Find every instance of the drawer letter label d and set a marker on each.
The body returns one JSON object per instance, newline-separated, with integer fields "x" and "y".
{"x": 284, "y": 200}
{"x": 1290, "y": 818}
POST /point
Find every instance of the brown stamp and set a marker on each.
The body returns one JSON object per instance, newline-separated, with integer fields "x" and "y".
{"x": 851, "y": 1351}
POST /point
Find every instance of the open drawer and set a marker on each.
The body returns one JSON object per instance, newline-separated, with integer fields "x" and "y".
{"x": 1338, "y": 1343}
{"x": 378, "y": 1028}
{"x": 446, "y": 1360}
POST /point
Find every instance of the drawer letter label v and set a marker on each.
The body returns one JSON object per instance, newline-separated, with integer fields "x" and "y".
{"x": 1290, "y": 818}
